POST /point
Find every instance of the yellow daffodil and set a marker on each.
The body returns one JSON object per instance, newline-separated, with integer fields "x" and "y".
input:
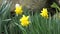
{"x": 18, "y": 9}
{"x": 25, "y": 20}
{"x": 44, "y": 13}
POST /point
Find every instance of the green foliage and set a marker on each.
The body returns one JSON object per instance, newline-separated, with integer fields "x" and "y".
{"x": 38, "y": 25}
{"x": 54, "y": 5}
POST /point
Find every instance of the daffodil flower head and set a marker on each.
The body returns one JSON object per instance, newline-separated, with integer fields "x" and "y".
{"x": 18, "y": 9}
{"x": 44, "y": 13}
{"x": 25, "y": 20}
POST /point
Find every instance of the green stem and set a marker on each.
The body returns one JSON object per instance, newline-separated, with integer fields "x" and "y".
{"x": 5, "y": 29}
{"x": 0, "y": 27}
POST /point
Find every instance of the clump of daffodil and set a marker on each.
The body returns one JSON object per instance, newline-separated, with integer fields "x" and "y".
{"x": 18, "y": 9}
{"x": 25, "y": 20}
{"x": 44, "y": 13}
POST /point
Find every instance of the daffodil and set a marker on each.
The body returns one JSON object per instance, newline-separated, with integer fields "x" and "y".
{"x": 25, "y": 20}
{"x": 44, "y": 13}
{"x": 18, "y": 9}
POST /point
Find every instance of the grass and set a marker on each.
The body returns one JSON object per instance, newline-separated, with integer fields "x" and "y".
{"x": 38, "y": 25}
